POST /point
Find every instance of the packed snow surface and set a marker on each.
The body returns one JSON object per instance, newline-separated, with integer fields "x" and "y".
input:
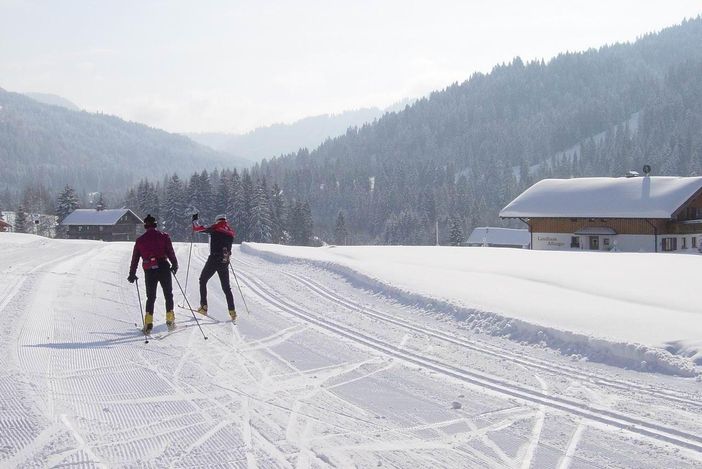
{"x": 651, "y": 299}
{"x": 345, "y": 357}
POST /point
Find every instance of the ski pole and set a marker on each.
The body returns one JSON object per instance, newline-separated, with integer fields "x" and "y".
{"x": 187, "y": 269}
{"x": 239, "y": 286}
{"x": 190, "y": 307}
{"x": 190, "y": 252}
{"x": 141, "y": 311}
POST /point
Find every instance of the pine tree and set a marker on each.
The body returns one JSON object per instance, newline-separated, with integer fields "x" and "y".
{"x": 245, "y": 206}
{"x": 224, "y": 194}
{"x": 206, "y": 197}
{"x": 278, "y": 212}
{"x": 340, "y": 232}
{"x": 456, "y": 237}
{"x": 175, "y": 219}
{"x": 234, "y": 203}
{"x": 261, "y": 224}
{"x": 193, "y": 198}
{"x": 21, "y": 222}
{"x": 307, "y": 225}
{"x": 101, "y": 203}
{"x": 130, "y": 201}
{"x": 66, "y": 203}
{"x": 147, "y": 199}
{"x": 296, "y": 224}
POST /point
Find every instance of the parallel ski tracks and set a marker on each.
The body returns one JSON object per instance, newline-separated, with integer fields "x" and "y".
{"x": 571, "y": 406}
{"x": 496, "y": 351}
{"x": 488, "y": 349}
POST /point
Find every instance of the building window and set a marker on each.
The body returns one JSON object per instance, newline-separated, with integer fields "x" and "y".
{"x": 575, "y": 242}
{"x": 684, "y": 243}
{"x": 605, "y": 242}
{"x": 669, "y": 244}
{"x": 693, "y": 241}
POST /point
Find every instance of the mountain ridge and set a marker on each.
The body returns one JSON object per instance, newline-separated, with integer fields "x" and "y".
{"x": 281, "y": 138}
{"x": 53, "y": 146}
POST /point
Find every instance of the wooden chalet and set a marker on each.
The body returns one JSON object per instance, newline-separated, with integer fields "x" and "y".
{"x": 106, "y": 225}
{"x": 634, "y": 214}
{"x": 4, "y": 226}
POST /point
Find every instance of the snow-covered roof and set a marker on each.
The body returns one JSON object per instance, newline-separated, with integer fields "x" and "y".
{"x": 85, "y": 216}
{"x": 634, "y": 197}
{"x": 499, "y": 236}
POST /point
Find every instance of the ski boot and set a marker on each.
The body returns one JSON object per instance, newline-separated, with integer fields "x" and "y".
{"x": 202, "y": 310}
{"x": 148, "y": 323}
{"x": 170, "y": 320}
{"x": 232, "y": 314}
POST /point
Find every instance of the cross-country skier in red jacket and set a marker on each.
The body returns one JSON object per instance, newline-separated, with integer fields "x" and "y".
{"x": 221, "y": 239}
{"x": 155, "y": 249}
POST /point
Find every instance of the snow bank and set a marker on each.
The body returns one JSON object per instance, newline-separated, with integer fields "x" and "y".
{"x": 634, "y": 310}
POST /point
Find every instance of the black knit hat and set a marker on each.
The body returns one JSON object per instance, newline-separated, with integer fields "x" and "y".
{"x": 149, "y": 220}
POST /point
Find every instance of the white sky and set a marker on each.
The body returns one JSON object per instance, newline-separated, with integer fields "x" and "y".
{"x": 233, "y": 65}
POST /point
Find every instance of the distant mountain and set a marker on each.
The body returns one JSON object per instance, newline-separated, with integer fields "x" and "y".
{"x": 450, "y": 157}
{"x": 54, "y": 146}
{"x": 53, "y": 100}
{"x": 278, "y": 139}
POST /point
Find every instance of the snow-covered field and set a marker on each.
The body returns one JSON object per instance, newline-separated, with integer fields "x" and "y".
{"x": 353, "y": 357}
{"x": 627, "y": 309}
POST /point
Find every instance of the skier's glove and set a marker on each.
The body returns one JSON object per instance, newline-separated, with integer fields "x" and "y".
{"x": 174, "y": 269}
{"x": 132, "y": 278}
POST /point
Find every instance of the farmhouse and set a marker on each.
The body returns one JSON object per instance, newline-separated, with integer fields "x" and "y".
{"x": 649, "y": 213}
{"x": 499, "y": 237}
{"x": 106, "y": 225}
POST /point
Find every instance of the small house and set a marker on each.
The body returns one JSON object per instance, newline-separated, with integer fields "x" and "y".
{"x": 107, "y": 225}
{"x": 4, "y": 226}
{"x": 499, "y": 237}
{"x": 635, "y": 213}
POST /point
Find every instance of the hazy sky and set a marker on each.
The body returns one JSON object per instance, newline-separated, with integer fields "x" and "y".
{"x": 234, "y": 65}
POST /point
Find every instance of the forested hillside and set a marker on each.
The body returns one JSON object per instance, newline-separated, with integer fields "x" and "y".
{"x": 463, "y": 153}
{"x": 49, "y": 146}
{"x": 456, "y": 157}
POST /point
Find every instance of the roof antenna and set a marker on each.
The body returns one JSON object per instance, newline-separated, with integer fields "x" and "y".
{"x": 647, "y": 170}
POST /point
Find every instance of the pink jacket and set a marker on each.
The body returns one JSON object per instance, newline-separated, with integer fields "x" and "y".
{"x": 153, "y": 247}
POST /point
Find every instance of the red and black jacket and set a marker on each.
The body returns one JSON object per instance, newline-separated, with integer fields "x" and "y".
{"x": 221, "y": 238}
{"x": 155, "y": 249}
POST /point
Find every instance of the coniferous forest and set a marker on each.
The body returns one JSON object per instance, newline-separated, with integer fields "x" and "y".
{"x": 459, "y": 155}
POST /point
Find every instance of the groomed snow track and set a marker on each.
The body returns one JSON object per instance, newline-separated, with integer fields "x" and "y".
{"x": 266, "y": 293}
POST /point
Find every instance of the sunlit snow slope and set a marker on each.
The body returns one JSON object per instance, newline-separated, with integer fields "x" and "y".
{"x": 325, "y": 371}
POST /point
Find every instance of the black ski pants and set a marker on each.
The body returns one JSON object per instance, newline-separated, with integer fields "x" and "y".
{"x": 152, "y": 277}
{"x": 215, "y": 264}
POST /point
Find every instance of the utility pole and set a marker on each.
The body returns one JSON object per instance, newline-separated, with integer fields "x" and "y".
{"x": 437, "y": 232}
